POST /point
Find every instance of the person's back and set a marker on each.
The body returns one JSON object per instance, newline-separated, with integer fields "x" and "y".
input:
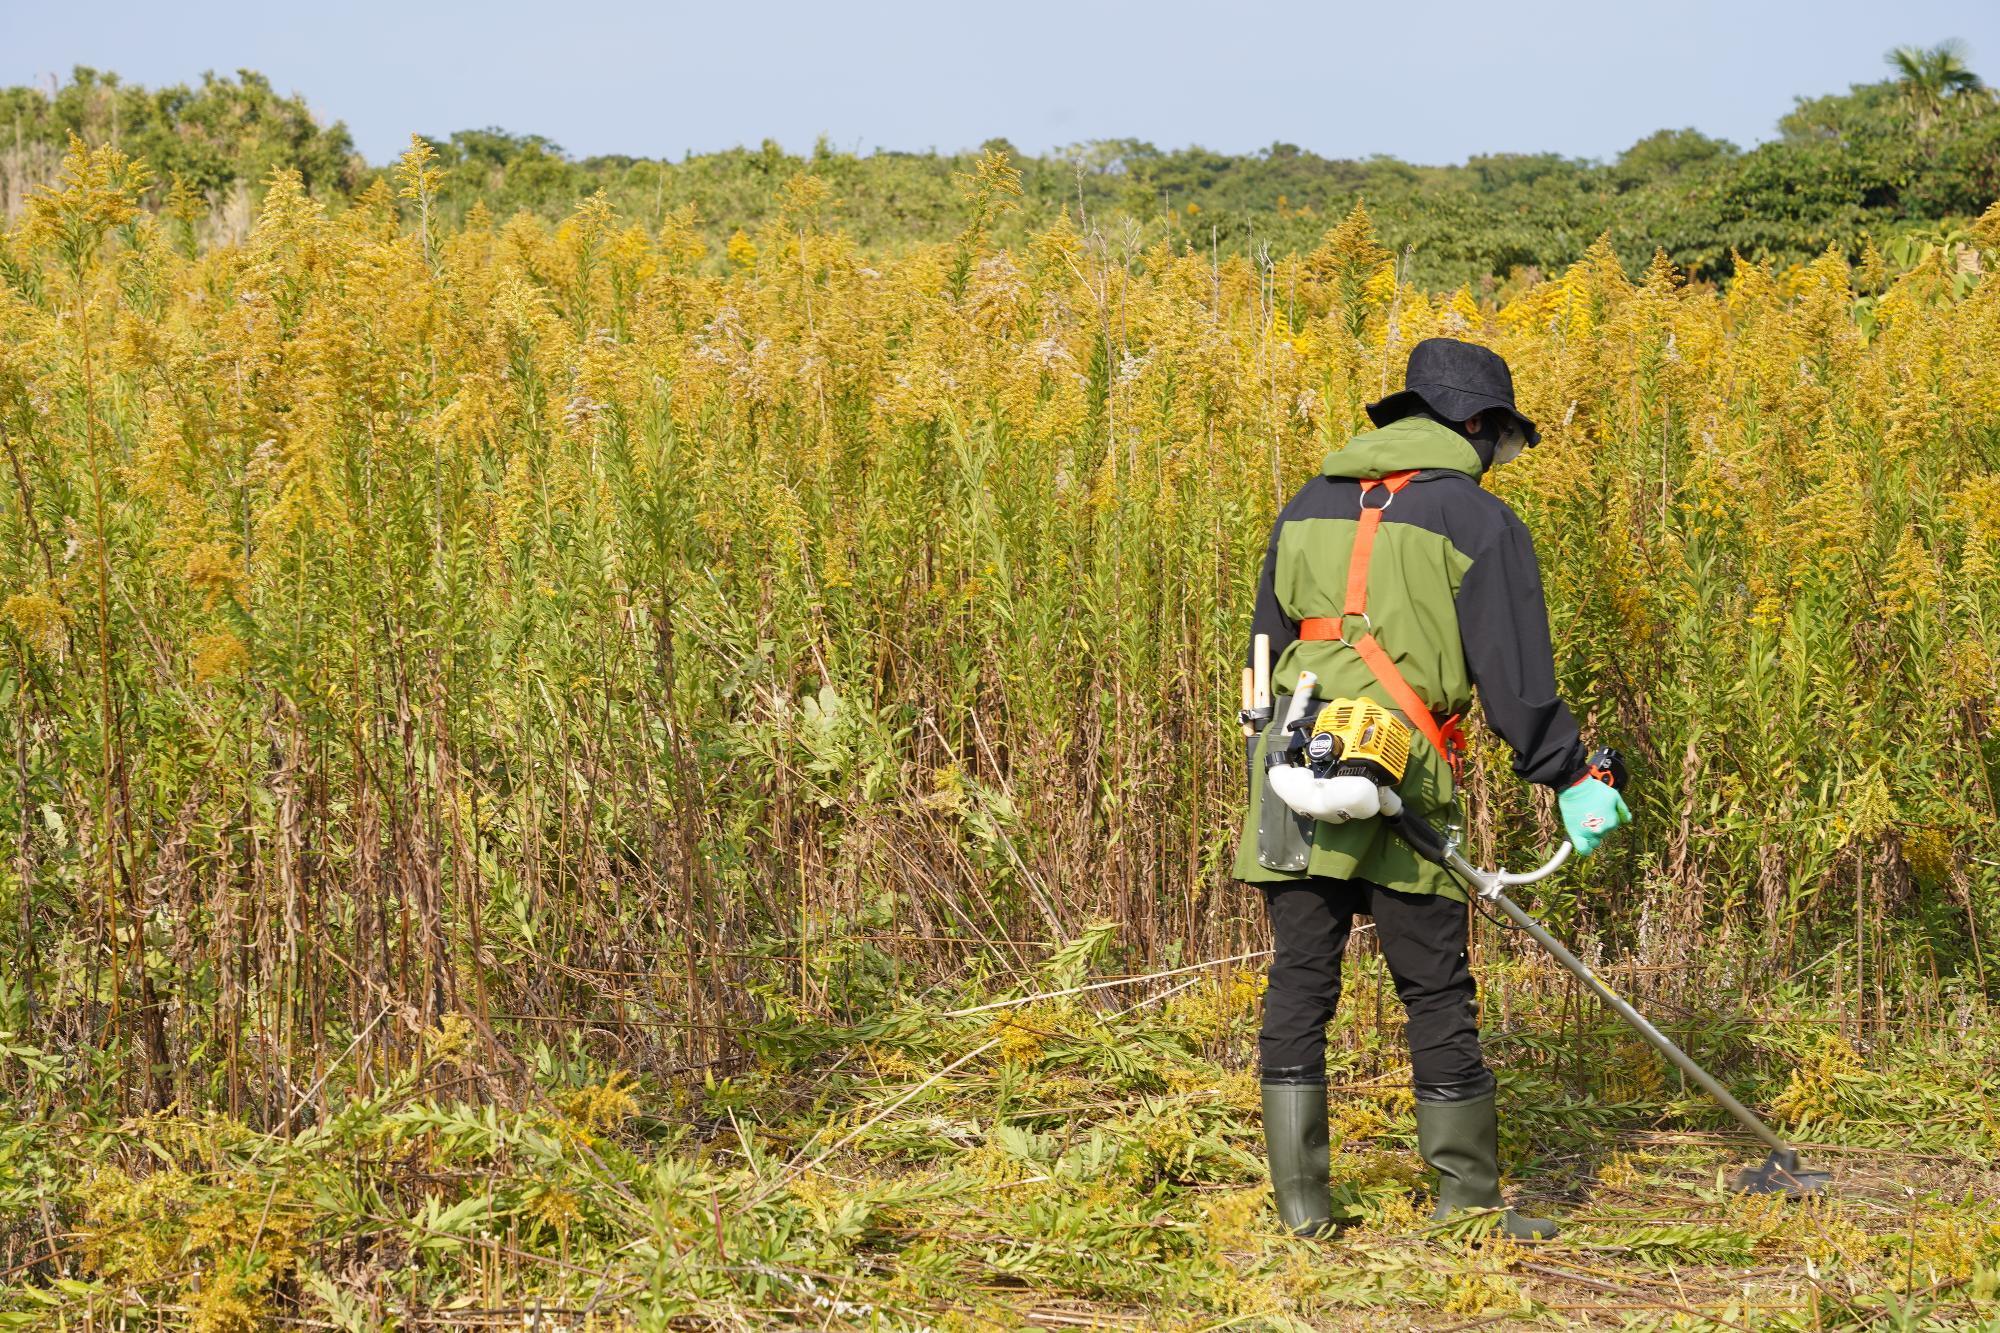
{"x": 1417, "y": 604}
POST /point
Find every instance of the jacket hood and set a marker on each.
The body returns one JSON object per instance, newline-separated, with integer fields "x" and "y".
{"x": 1403, "y": 445}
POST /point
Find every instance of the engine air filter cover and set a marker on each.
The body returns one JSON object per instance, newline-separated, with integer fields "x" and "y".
{"x": 1367, "y": 737}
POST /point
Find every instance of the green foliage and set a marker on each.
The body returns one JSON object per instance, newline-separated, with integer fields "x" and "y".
{"x": 224, "y": 132}
{"x": 1911, "y": 152}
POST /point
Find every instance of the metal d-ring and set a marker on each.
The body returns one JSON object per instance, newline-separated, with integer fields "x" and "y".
{"x": 1346, "y": 616}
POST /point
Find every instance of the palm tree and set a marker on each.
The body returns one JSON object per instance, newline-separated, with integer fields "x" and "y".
{"x": 1930, "y": 78}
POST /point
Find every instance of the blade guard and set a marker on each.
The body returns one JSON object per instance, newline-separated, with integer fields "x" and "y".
{"x": 1780, "y": 1174}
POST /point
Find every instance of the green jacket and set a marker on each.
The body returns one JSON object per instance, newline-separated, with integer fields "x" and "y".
{"x": 1455, "y": 599}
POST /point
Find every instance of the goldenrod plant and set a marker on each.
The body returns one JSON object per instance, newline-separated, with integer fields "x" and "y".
{"x": 533, "y": 749}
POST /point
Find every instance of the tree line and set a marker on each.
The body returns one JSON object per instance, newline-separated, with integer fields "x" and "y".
{"x": 1916, "y": 153}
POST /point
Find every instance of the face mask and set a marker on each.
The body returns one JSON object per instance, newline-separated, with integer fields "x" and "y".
{"x": 1512, "y": 441}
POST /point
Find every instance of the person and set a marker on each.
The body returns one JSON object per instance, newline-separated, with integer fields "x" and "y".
{"x": 1451, "y": 595}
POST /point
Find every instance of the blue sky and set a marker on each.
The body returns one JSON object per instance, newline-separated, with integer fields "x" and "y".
{"x": 1426, "y": 82}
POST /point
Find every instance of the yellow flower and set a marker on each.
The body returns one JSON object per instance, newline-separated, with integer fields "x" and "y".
{"x": 601, "y": 1106}
{"x": 213, "y": 571}
{"x": 553, "y": 1207}
{"x": 41, "y": 620}
{"x": 1911, "y": 581}
{"x": 1812, "y": 1093}
{"x": 219, "y": 656}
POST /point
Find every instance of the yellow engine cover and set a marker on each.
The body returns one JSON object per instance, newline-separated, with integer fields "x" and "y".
{"x": 1367, "y": 732}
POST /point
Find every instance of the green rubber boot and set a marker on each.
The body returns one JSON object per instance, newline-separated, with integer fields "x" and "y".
{"x": 1295, "y": 1142}
{"x": 1461, "y": 1142}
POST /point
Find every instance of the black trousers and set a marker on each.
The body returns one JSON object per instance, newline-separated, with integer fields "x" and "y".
{"x": 1422, "y": 937}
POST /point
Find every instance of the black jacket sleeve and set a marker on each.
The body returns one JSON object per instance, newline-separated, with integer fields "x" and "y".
{"x": 1504, "y": 624}
{"x": 1269, "y": 617}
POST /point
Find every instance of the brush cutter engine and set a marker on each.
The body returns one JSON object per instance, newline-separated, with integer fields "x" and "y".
{"x": 1339, "y": 769}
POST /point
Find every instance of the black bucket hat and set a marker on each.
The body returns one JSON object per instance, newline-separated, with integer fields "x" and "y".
{"x": 1458, "y": 381}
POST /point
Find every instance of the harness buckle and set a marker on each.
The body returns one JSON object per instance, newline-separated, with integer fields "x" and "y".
{"x": 1368, "y": 626}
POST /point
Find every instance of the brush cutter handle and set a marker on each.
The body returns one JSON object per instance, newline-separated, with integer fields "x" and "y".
{"x": 1419, "y": 832}
{"x": 1549, "y": 867}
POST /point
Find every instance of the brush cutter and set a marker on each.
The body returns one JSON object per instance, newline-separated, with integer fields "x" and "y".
{"x": 1356, "y": 741}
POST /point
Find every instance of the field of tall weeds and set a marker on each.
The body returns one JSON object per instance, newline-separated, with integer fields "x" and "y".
{"x": 528, "y": 750}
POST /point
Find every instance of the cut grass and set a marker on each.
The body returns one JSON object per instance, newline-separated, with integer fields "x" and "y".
{"x": 1048, "y": 1164}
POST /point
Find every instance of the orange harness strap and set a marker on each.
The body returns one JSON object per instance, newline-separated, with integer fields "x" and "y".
{"x": 1445, "y": 737}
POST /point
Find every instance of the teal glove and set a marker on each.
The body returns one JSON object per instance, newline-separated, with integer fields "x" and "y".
{"x": 1590, "y": 810}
